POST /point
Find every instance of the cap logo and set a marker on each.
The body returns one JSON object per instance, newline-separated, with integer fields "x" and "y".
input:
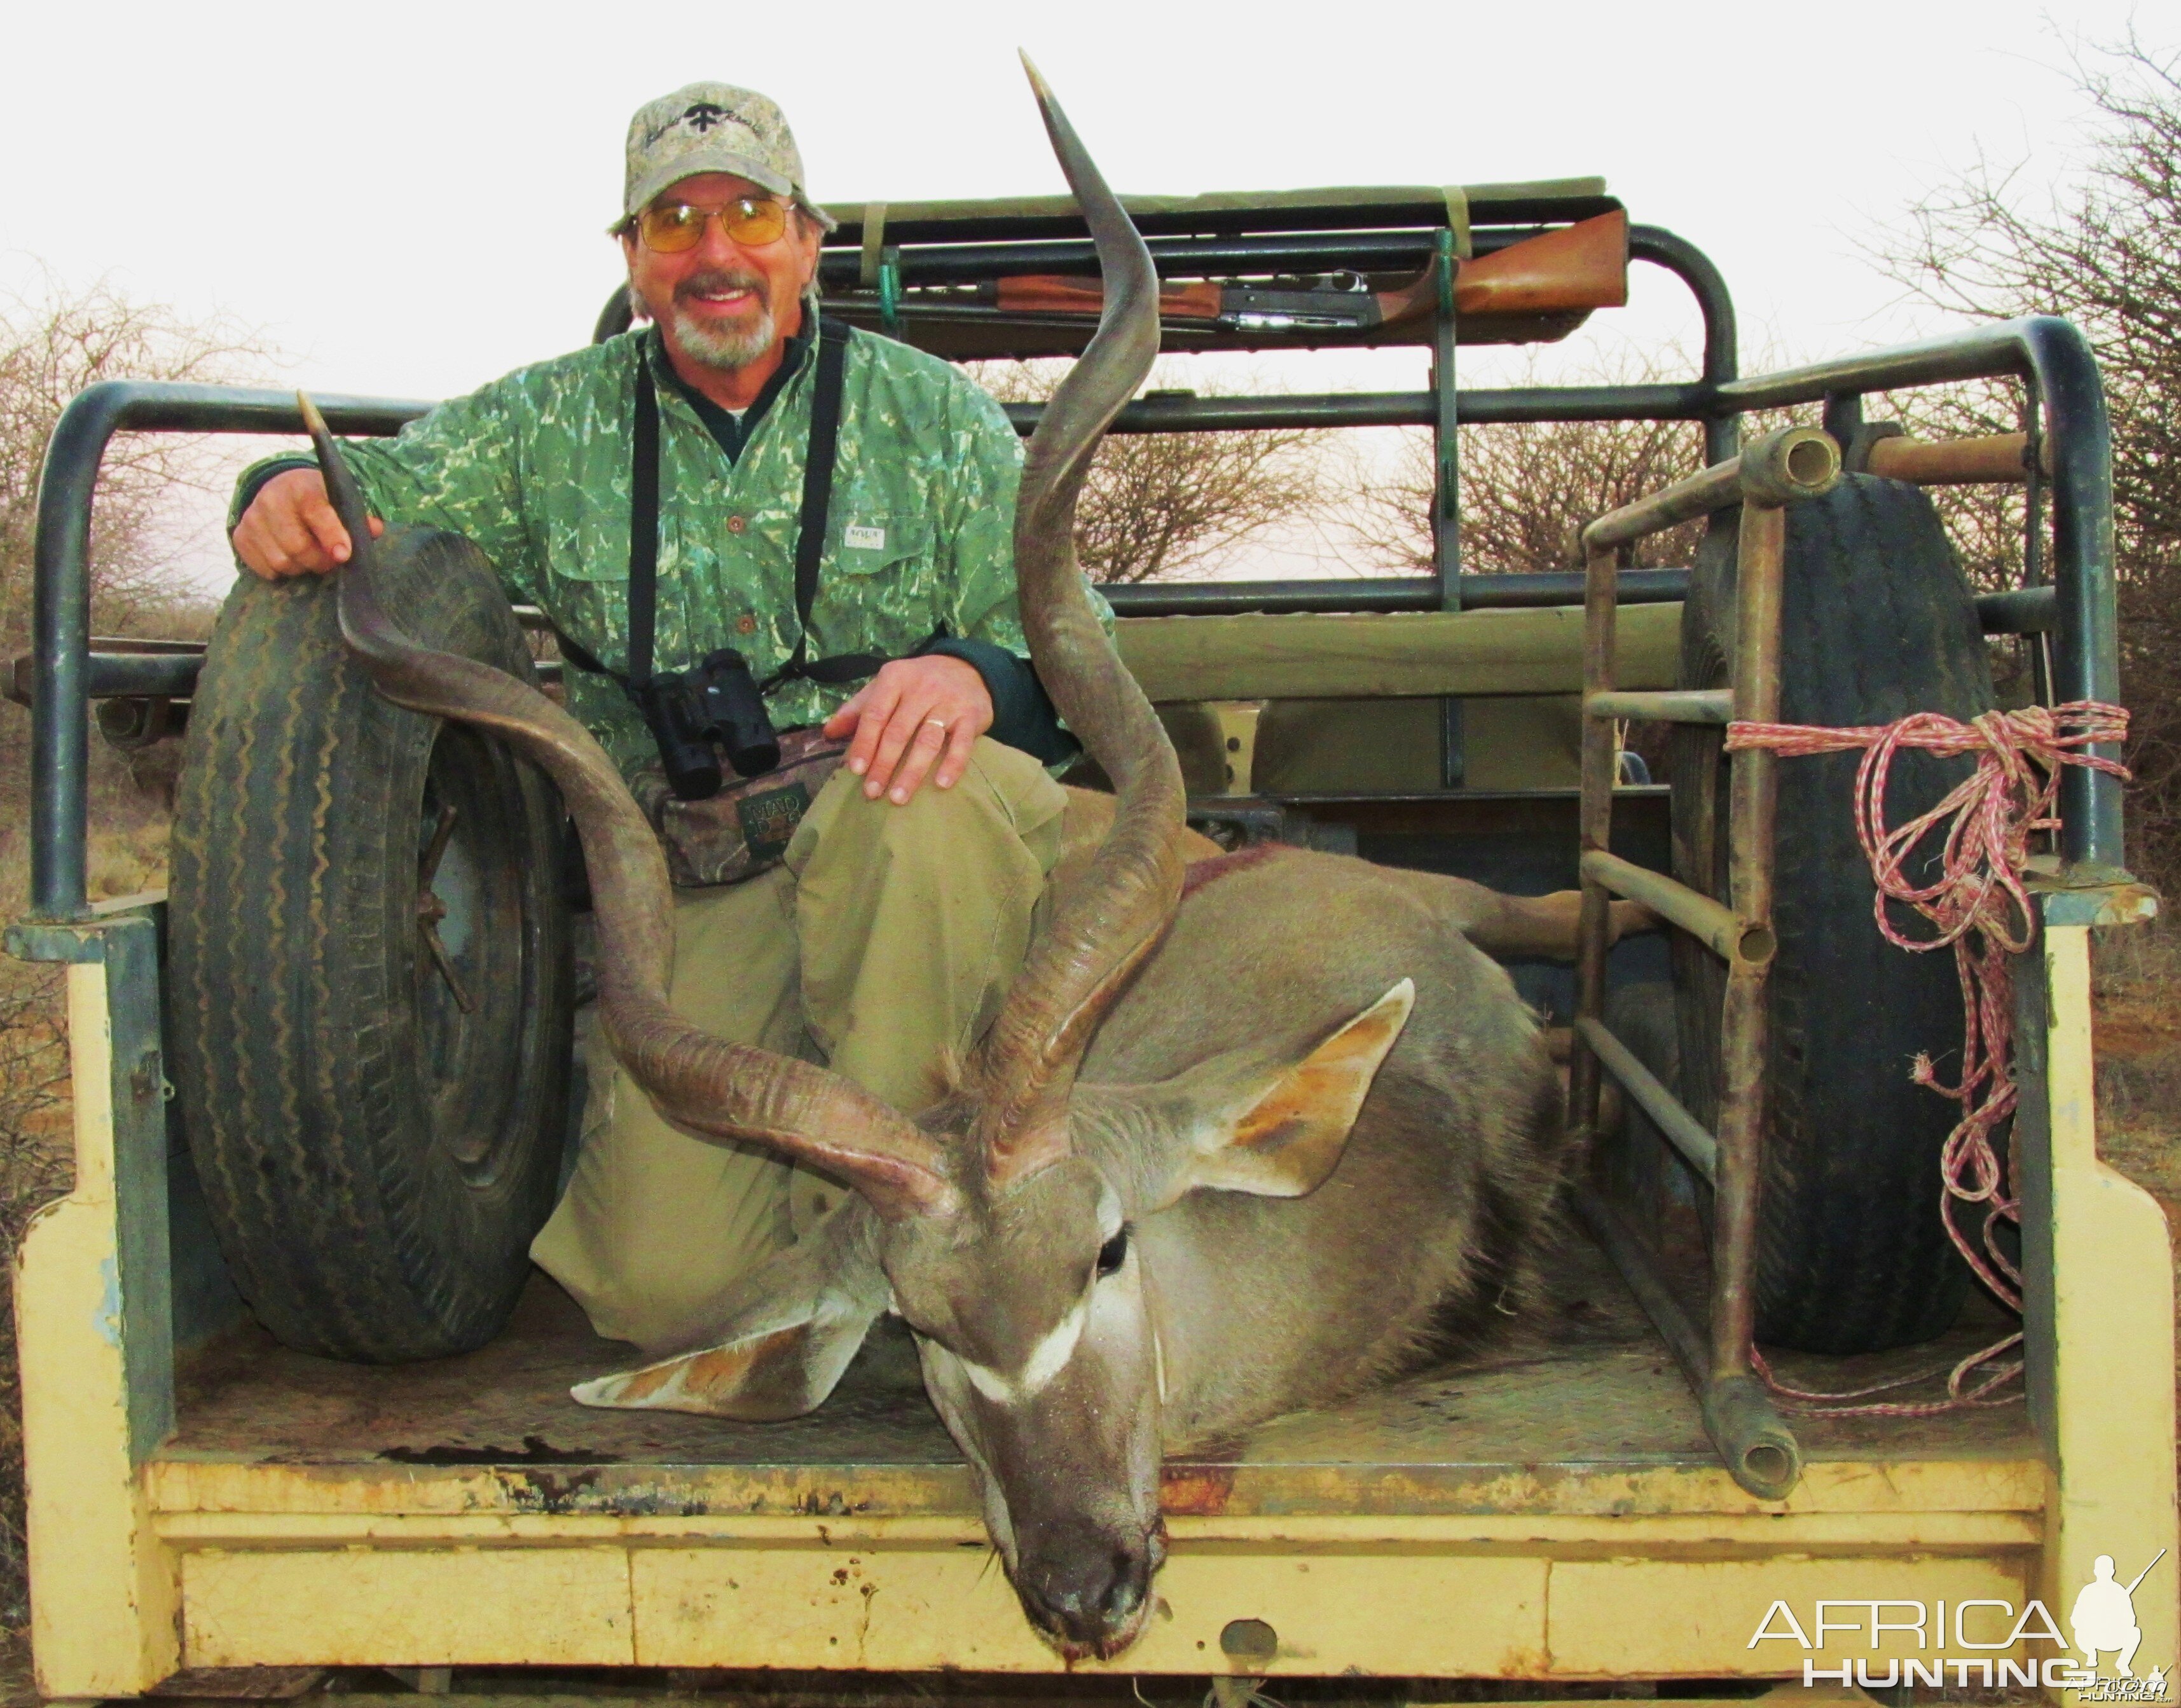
{"x": 705, "y": 114}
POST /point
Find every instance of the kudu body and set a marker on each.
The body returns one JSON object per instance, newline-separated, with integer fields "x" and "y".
{"x": 1223, "y": 1153}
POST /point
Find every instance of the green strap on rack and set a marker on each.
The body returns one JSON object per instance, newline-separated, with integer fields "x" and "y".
{"x": 890, "y": 290}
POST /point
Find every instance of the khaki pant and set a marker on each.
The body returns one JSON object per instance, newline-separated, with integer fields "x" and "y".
{"x": 882, "y": 946}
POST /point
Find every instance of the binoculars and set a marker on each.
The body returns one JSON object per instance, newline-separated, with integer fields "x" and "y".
{"x": 698, "y": 715}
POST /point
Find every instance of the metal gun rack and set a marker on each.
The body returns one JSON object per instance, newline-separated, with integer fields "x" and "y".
{"x": 1776, "y": 471}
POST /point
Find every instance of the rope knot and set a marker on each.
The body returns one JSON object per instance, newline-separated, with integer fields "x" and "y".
{"x": 1977, "y": 905}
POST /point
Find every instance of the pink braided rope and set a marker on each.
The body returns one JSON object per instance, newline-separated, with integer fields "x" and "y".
{"x": 1977, "y": 907}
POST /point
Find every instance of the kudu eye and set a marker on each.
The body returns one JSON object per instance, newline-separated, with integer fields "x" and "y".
{"x": 1113, "y": 1254}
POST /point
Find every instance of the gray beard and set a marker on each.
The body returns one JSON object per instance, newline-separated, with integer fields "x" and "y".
{"x": 718, "y": 346}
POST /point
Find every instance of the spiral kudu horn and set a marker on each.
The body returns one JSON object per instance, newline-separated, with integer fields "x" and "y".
{"x": 1105, "y": 923}
{"x": 702, "y": 1084}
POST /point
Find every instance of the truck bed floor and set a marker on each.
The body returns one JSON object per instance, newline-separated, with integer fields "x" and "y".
{"x": 1579, "y": 1383}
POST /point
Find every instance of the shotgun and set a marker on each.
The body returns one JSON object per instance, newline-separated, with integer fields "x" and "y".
{"x": 1579, "y": 267}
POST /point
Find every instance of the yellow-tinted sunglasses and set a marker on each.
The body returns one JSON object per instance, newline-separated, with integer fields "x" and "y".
{"x": 673, "y": 227}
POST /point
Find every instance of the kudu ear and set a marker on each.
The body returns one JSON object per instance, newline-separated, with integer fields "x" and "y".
{"x": 762, "y": 1378}
{"x": 1281, "y": 1137}
{"x": 787, "y": 1329}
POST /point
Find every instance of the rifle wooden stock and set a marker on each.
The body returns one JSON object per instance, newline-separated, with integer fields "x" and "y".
{"x": 1580, "y": 266}
{"x": 1574, "y": 269}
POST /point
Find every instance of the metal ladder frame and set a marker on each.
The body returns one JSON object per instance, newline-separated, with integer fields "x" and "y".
{"x": 1781, "y": 468}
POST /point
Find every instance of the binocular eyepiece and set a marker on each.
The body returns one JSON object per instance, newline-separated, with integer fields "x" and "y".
{"x": 698, "y": 715}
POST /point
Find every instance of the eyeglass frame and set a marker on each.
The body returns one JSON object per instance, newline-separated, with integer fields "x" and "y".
{"x": 790, "y": 206}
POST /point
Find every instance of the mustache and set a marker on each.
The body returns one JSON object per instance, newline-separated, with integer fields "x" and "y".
{"x": 721, "y": 279}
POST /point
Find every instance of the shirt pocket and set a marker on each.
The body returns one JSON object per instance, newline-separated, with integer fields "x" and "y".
{"x": 871, "y": 542}
{"x": 879, "y": 583}
{"x": 586, "y": 543}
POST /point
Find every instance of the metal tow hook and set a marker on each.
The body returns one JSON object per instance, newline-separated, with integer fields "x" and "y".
{"x": 430, "y": 909}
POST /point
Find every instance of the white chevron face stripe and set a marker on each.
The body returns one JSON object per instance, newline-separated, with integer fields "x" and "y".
{"x": 1047, "y": 1360}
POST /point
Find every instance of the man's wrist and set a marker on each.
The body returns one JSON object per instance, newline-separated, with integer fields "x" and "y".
{"x": 1023, "y": 714}
{"x": 256, "y": 478}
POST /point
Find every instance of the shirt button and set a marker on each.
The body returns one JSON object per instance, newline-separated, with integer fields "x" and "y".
{"x": 736, "y": 524}
{"x": 745, "y": 625}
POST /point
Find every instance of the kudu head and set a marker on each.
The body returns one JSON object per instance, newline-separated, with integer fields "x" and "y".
{"x": 1004, "y": 1213}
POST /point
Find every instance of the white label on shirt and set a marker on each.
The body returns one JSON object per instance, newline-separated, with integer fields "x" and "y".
{"x": 869, "y": 538}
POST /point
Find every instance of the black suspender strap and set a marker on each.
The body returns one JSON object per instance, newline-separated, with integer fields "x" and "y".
{"x": 817, "y": 501}
{"x": 643, "y": 526}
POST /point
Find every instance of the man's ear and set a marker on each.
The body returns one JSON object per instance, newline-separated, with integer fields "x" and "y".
{"x": 1281, "y": 1136}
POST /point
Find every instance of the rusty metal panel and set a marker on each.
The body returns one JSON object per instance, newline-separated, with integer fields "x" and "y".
{"x": 407, "y": 1607}
{"x": 1329, "y": 1611}
{"x": 1638, "y": 1618}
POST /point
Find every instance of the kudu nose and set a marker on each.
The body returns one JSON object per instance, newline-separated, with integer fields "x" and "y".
{"x": 1090, "y": 1594}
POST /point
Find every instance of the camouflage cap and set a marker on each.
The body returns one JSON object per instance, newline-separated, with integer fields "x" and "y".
{"x": 713, "y": 127}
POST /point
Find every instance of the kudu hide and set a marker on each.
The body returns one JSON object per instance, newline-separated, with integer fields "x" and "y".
{"x": 1227, "y": 1150}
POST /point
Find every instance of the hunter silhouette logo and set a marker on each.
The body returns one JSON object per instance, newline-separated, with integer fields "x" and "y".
{"x": 2103, "y": 1619}
{"x": 703, "y": 115}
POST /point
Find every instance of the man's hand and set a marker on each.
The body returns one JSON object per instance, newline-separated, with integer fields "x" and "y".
{"x": 291, "y": 527}
{"x": 908, "y": 714}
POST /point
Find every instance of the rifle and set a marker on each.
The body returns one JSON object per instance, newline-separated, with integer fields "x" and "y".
{"x": 1577, "y": 268}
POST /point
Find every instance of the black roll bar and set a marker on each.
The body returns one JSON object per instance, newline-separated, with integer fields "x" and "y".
{"x": 60, "y": 615}
{"x": 2054, "y": 355}
{"x": 1722, "y": 339}
{"x": 1688, "y": 401}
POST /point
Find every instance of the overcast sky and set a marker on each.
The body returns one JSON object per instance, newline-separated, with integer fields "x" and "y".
{"x": 408, "y": 199}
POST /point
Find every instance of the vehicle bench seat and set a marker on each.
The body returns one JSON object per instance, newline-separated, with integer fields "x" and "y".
{"x": 1353, "y": 704}
{"x": 1348, "y": 656}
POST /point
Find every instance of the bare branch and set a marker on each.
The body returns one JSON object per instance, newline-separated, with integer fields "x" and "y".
{"x": 2104, "y": 251}
{"x": 50, "y": 350}
{"x": 1526, "y": 490}
{"x": 1162, "y": 506}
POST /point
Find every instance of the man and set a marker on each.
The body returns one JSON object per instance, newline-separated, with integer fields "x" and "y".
{"x": 884, "y": 941}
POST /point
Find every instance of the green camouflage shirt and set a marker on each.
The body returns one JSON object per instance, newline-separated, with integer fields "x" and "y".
{"x": 535, "y": 469}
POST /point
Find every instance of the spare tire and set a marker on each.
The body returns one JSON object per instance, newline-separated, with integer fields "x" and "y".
{"x": 370, "y": 994}
{"x": 1879, "y": 622}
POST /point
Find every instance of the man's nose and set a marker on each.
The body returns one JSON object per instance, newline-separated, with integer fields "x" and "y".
{"x": 716, "y": 250}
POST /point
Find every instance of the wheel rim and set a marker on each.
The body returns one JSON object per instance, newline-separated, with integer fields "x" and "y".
{"x": 474, "y": 970}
